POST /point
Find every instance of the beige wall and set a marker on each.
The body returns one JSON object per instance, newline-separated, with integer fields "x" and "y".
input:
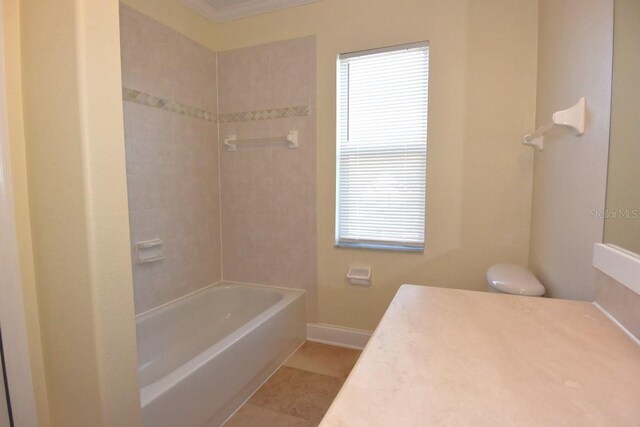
{"x": 78, "y": 208}
{"x": 574, "y": 60}
{"x": 269, "y": 191}
{"x": 172, "y": 159}
{"x": 479, "y": 175}
{"x": 180, "y": 18}
{"x": 624, "y": 148}
{"x": 20, "y": 190}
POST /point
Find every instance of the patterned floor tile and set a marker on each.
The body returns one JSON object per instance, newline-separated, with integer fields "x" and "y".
{"x": 324, "y": 359}
{"x": 301, "y": 391}
{"x": 255, "y": 416}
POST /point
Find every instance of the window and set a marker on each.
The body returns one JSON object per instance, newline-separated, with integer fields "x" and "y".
{"x": 382, "y": 147}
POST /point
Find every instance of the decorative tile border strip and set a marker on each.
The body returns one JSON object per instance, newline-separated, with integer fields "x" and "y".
{"x": 166, "y": 104}
{"x": 273, "y": 113}
{"x": 153, "y": 101}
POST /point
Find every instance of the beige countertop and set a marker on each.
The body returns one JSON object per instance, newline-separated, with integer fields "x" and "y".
{"x": 453, "y": 357}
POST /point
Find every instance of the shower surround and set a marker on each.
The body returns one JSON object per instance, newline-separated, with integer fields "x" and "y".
{"x": 172, "y": 158}
{"x": 245, "y": 216}
{"x": 268, "y": 192}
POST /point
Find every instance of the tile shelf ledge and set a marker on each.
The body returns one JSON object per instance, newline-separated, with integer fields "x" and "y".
{"x": 619, "y": 264}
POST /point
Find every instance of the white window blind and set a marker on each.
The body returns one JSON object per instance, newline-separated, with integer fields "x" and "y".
{"x": 382, "y": 147}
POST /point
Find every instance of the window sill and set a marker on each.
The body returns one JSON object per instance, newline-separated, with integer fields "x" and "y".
{"x": 381, "y": 247}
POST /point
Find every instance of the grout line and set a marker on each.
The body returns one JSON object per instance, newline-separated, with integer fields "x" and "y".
{"x": 276, "y": 410}
{"x": 261, "y": 385}
{"x": 219, "y": 163}
{"x": 617, "y": 323}
{"x": 277, "y": 413}
{"x": 315, "y": 372}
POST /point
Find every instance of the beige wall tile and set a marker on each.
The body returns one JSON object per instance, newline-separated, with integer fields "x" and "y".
{"x": 268, "y": 191}
{"x": 621, "y": 302}
{"x": 172, "y": 160}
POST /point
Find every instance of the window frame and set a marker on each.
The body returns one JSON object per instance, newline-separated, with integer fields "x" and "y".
{"x": 378, "y": 245}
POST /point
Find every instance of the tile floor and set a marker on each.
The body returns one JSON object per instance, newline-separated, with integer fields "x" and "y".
{"x": 301, "y": 391}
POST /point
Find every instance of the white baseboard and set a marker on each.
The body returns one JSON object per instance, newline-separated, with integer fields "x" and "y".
{"x": 338, "y": 336}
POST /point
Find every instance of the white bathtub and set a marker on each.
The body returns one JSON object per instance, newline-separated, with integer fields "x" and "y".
{"x": 201, "y": 357}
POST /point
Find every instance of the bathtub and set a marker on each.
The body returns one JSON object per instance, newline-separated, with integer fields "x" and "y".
{"x": 202, "y": 356}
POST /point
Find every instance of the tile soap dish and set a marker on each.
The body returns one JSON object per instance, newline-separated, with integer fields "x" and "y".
{"x": 359, "y": 275}
{"x": 149, "y": 251}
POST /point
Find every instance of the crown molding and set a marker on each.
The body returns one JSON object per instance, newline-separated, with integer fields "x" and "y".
{"x": 241, "y": 9}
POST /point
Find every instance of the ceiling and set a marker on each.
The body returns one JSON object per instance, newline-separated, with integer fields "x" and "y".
{"x": 227, "y": 10}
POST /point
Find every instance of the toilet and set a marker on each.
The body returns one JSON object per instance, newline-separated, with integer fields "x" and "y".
{"x": 513, "y": 279}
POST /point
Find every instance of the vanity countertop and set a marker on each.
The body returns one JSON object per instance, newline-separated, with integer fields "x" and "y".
{"x": 464, "y": 358}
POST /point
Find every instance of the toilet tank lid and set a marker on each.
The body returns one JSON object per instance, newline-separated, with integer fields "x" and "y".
{"x": 514, "y": 279}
